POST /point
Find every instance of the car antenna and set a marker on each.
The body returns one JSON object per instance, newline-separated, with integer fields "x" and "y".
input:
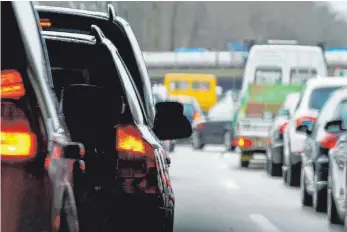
{"x": 111, "y": 12}
{"x": 97, "y": 33}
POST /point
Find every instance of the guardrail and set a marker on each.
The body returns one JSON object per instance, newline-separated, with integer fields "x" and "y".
{"x": 222, "y": 59}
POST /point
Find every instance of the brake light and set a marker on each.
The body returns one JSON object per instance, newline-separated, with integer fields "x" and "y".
{"x": 18, "y": 144}
{"x": 11, "y": 84}
{"x": 244, "y": 142}
{"x": 129, "y": 139}
{"x": 329, "y": 141}
{"x": 45, "y": 23}
{"x": 302, "y": 120}
{"x": 283, "y": 127}
{"x": 196, "y": 116}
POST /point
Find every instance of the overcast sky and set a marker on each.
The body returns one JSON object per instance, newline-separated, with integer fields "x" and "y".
{"x": 340, "y": 6}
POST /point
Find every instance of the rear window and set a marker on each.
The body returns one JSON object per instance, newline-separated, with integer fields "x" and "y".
{"x": 201, "y": 85}
{"x": 301, "y": 75}
{"x": 319, "y": 96}
{"x": 268, "y": 75}
{"x": 178, "y": 85}
{"x": 188, "y": 109}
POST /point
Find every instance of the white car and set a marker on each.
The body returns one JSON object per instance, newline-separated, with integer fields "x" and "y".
{"x": 312, "y": 98}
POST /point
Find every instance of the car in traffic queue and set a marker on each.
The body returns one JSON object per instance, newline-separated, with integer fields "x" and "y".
{"x": 38, "y": 158}
{"x": 203, "y": 87}
{"x": 274, "y": 152}
{"x": 116, "y": 29}
{"x": 126, "y": 182}
{"x": 337, "y": 178}
{"x": 312, "y": 99}
{"x": 321, "y": 137}
{"x": 214, "y": 127}
{"x": 252, "y": 121}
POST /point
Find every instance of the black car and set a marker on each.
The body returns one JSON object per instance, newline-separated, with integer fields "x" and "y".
{"x": 116, "y": 29}
{"x": 126, "y": 182}
{"x": 215, "y": 127}
{"x": 315, "y": 157}
{"x": 274, "y": 152}
{"x": 337, "y": 178}
{"x": 37, "y": 155}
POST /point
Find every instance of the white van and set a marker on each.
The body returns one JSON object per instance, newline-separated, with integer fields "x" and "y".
{"x": 283, "y": 64}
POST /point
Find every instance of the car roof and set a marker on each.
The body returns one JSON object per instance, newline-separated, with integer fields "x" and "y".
{"x": 69, "y": 37}
{"x": 340, "y": 93}
{"x": 325, "y": 81}
{"x": 71, "y": 11}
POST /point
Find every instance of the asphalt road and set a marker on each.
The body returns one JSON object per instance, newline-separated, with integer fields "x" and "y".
{"x": 213, "y": 194}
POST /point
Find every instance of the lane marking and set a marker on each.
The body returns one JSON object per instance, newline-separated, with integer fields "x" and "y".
{"x": 231, "y": 185}
{"x": 264, "y": 224}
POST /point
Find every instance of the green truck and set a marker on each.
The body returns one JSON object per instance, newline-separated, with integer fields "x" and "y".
{"x": 257, "y": 107}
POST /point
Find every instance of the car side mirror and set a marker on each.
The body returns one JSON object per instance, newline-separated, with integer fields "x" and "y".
{"x": 170, "y": 123}
{"x": 334, "y": 126}
{"x": 73, "y": 150}
{"x": 304, "y": 129}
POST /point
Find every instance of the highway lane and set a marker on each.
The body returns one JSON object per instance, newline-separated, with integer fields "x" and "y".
{"x": 213, "y": 194}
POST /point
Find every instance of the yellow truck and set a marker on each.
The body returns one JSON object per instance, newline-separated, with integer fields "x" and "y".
{"x": 203, "y": 87}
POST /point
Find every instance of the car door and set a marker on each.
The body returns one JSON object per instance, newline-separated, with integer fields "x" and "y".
{"x": 340, "y": 160}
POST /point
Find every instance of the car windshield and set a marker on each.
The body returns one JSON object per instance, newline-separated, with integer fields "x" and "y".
{"x": 319, "y": 96}
{"x": 188, "y": 109}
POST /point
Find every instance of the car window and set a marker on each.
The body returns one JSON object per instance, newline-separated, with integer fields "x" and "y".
{"x": 178, "y": 85}
{"x": 301, "y": 75}
{"x": 222, "y": 110}
{"x": 188, "y": 109}
{"x": 328, "y": 111}
{"x": 268, "y": 75}
{"x": 201, "y": 85}
{"x": 130, "y": 88}
{"x": 319, "y": 96}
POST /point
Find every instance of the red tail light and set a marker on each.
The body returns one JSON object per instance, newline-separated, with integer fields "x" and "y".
{"x": 17, "y": 139}
{"x": 329, "y": 141}
{"x": 11, "y": 84}
{"x": 129, "y": 139}
{"x": 301, "y": 120}
{"x": 200, "y": 126}
{"x": 283, "y": 127}
{"x": 244, "y": 142}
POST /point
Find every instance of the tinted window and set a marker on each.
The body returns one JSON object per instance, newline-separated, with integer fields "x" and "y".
{"x": 301, "y": 75}
{"x": 188, "y": 109}
{"x": 201, "y": 85}
{"x": 178, "y": 85}
{"x": 319, "y": 96}
{"x": 268, "y": 75}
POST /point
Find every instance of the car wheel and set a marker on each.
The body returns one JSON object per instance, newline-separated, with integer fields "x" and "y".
{"x": 292, "y": 176}
{"x": 319, "y": 197}
{"x": 68, "y": 218}
{"x": 228, "y": 142}
{"x": 333, "y": 215}
{"x": 245, "y": 159}
{"x": 306, "y": 199}
{"x": 196, "y": 142}
{"x": 274, "y": 169}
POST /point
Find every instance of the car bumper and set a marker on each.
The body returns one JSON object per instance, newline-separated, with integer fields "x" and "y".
{"x": 259, "y": 145}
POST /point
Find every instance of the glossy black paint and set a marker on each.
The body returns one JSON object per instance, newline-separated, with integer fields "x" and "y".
{"x": 34, "y": 195}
